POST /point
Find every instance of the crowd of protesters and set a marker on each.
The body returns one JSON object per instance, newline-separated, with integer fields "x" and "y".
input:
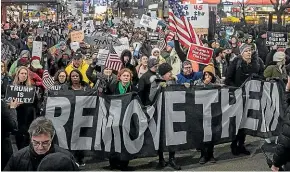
{"x": 144, "y": 71}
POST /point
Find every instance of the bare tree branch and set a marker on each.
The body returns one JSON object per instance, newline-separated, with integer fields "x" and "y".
{"x": 272, "y": 2}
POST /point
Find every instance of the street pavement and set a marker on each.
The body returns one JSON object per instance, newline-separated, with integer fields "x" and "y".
{"x": 189, "y": 160}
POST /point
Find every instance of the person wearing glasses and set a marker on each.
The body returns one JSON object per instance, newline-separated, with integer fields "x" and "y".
{"x": 41, "y": 133}
{"x": 187, "y": 75}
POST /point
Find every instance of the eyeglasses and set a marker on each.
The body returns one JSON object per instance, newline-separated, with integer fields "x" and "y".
{"x": 44, "y": 144}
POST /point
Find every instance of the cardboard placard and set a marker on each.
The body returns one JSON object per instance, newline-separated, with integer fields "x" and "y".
{"x": 148, "y": 21}
{"x": 197, "y": 14}
{"x": 277, "y": 38}
{"x": 77, "y": 36}
{"x": 153, "y": 36}
{"x": 102, "y": 57}
{"x": 37, "y": 49}
{"x": 22, "y": 94}
{"x": 124, "y": 46}
{"x": 199, "y": 54}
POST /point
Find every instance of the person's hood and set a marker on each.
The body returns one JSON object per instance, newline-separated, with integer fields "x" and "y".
{"x": 155, "y": 49}
{"x": 126, "y": 53}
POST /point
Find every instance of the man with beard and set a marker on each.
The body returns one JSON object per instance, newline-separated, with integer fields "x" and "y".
{"x": 41, "y": 133}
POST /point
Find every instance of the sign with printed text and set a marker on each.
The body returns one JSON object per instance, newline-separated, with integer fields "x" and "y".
{"x": 77, "y": 36}
{"x": 74, "y": 46}
{"x": 277, "y": 38}
{"x": 102, "y": 57}
{"x": 148, "y": 21}
{"x": 199, "y": 54}
{"x": 37, "y": 49}
{"x": 22, "y": 94}
{"x": 197, "y": 14}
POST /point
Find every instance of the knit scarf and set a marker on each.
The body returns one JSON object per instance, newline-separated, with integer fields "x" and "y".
{"x": 123, "y": 89}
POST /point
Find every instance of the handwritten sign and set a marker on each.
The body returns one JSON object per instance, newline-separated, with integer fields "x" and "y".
{"x": 74, "y": 46}
{"x": 102, "y": 57}
{"x": 77, "y": 36}
{"x": 22, "y": 94}
{"x": 197, "y": 14}
{"x": 37, "y": 49}
{"x": 277, "y": 38}
{"x": 147, "y": 21}
{"x": 199, "y": 54}
{"x": 101, "y": 40}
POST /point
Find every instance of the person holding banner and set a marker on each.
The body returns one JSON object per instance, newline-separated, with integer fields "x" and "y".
{"x": 123, "y": 85}
{"x": 60, "y": 77}
{"x": 75, "y": 81}
{"x": 162, "y": 79}
{"x": 25, "y": 112}
{"x": 126, "y": 57}
{"x": 243, "y": 67}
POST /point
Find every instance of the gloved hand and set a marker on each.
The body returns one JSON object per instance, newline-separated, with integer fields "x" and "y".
{"x": 187, "y": 85}
{"x": 162, "y": 84}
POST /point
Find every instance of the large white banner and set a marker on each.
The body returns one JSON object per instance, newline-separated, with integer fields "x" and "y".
{"x": 197, "y": 14}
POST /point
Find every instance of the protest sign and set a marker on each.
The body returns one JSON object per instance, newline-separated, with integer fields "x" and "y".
{"x": 277, "y": 38}
{"x": 124, "y": 46}
{"x": 77, "y": 36}
{"x": 102, "y": 57}
{"x": 199, "y": 54}
{"x": 53, "y": 49}
{"x": 137, "y": 23}
{"x": 179, "y": 118}
{"x": 147, "y": 21}
{"x": 153, "y": 36}
{"x": 22, "y": 94}
{"x": 6, "y": 26}
{"x": 37, "y": 49}
{"x": 197, "y": 14}
{"x": 102, "y": 40}
{"x": 74, "y": 46}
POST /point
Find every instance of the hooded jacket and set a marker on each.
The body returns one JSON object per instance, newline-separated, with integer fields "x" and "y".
{"x": 82, "y": 68}
{"x": 129, "y": 65}
{"x": 27, "y": 160}
{"x": 159, "y": 58}
{"x": 261, "y": 46}
{"x": 16, "y": 43}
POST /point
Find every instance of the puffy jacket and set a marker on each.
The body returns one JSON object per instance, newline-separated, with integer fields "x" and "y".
{"x": 82, "y": 68}
{"x": 144, "y": 86}
{"x": 181, "y": 78}
{"x": 27, "y": 160}
{"x": 273, "y": 71}
{"x": 17, "y": 44}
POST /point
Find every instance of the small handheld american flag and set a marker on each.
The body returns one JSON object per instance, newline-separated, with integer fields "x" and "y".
{"x": 180, "y": 25}
{"x": 113, "y": 61}
{"x": 47, "y": 80}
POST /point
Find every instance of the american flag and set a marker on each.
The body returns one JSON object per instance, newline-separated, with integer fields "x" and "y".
{"x": 47, "y": 80}
{"x": 180, "y": 25}
{"x": 113, "y": 60}
{"x": 170, "y": 36}
{"x": 161, "y": 44}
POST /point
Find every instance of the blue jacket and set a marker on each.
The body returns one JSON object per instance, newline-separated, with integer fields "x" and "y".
{"x": 181, "y": 78}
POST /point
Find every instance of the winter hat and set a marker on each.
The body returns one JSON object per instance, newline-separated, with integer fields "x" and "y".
{"x": 62, "y": 43}
{"x": 24, "y": 53}
{"x": 23, "y": 61}
{"x": 170, "y": 44}
{"x": 186, "y": 62}
{"x": 154, "y": 50}
{"x": 279, "y": 56}
{"x": 152, "y": 62}
{"x": 51, "y": 162}
{"x": 35, "y": 62}
{"x": 164, "y": 68}
{"x": 209, "y": 68}
{"x": 35, "y": 58}
{"x": 210, "y": 42}
{"x": 244, "y": 47}
{"x": 218, "y": 51}
{"x": 204, "y": 41}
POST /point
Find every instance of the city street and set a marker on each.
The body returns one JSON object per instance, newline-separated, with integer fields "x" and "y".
{"x": 189, "y": 160}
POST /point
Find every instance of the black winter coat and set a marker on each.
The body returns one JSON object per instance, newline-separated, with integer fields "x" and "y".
{"x": 114, "y": 90}
{"x": 5, "y": 81}
{"x": 144, "y": 87}
{"x": 8, "y": 124}
{"x": 262, "y": 48}
{"x": 17, "y": 44}
{"x": 239, "y": 71}
{"x": 130, "y": 66}
{"x": 27, "y": 160}
{"x": 281, "y": 155}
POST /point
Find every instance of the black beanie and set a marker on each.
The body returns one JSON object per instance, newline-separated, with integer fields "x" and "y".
{"x": 57, "y": 162}
{"x": 164, "y": 68}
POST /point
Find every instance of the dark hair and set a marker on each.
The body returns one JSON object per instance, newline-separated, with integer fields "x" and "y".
{"x": 57, "y": 73}
{"x": 80, "y": 75}
{"x": 212, "y": 76}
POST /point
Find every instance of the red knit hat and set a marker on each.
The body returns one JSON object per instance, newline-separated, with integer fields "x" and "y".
{"x": 35, "y": 58}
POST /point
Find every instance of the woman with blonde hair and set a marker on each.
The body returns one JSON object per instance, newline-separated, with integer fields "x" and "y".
{"x": 22, "y": 77}
{"x": 25, "y": 112}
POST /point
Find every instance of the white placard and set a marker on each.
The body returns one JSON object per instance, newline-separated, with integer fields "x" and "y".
{"x": 74, "y": 46}
{"x": 124, "y": 46}
{"x": 197, "y": 14}
{"x": 102, "y": 57}
{"x": 37, "y": 49}
{"x": 147, "y": 21}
